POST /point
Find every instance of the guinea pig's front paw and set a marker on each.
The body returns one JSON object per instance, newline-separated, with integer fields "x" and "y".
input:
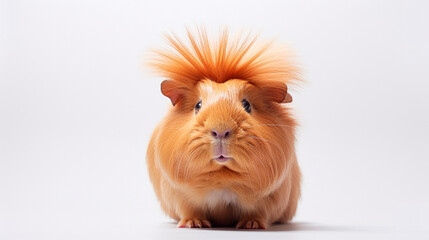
{"x": 250, "y": 224}
{"x": 194, "y": 223}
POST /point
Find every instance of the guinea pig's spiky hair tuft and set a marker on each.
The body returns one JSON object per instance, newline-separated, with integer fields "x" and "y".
{"x": 240, "y": 57}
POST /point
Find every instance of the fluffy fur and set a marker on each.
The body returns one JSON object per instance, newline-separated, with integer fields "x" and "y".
{"x": 260, "y": 183}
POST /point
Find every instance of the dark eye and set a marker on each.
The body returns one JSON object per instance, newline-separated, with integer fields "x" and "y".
{"x": 246, "y": 105}
{"x": 197, "y": 107}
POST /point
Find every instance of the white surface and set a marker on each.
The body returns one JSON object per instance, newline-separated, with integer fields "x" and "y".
{"x": 77, "y": 110}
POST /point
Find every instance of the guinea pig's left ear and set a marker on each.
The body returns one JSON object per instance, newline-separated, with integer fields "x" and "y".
{"x": 277, "y": 92}
{"x": 173, "y": 90}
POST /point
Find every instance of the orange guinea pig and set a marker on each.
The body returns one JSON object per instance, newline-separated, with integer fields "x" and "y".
{"x": 224, "y": 154}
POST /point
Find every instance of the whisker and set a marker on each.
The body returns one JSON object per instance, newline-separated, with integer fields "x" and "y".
{"x": 178, "y": 128}
{"x": 185, "y": 159}
{"x": 188, "y": 161}
{"x": 180, "y": 160}
{"x": 273, "y": 144}
{"x": 248, "y": 176}
{"x": 259, "y": 177}
{"x": 273, "y": 125}
{"x": 244, "y": 164}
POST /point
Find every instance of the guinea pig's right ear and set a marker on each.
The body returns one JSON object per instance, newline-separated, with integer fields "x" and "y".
{"x": 173, "y": 90}
{"x": 277, "y": 92}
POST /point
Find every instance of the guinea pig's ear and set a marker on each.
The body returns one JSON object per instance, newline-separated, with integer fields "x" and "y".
{"x": 173, "y": 90}
{"x": 277, "y": 92}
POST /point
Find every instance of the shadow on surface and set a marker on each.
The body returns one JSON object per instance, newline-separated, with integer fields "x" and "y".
{"x": 305, "y": 226}
{"x": 297, "y": 227}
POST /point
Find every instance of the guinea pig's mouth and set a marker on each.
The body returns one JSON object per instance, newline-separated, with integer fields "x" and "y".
{"x": 222, "y": 158}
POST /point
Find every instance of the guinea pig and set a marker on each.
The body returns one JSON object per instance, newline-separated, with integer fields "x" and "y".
{"x": 224, "y": 154}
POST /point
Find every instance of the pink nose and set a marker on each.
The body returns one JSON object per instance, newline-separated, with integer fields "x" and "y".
{"x": 219, "y": 134}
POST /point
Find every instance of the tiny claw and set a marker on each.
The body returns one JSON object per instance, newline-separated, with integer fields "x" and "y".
{"x": 206, "y": 223}
{"x": 190, "y": 224}
{"x": 250, "y": 224}
{"x": 194, "y": 223}
{"x": 197, "y": 223}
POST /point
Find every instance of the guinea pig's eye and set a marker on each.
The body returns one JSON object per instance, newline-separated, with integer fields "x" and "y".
{"x": 197, "y": 107}
{"x": 246, "y": 105}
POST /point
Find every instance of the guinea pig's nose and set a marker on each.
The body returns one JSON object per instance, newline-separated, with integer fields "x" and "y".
{"x": 221, "y": 134}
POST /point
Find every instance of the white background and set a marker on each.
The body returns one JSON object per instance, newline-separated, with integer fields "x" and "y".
{"x": 77, "y": 109}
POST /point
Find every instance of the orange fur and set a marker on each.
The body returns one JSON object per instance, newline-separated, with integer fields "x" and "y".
{"x": 260, "y": 184}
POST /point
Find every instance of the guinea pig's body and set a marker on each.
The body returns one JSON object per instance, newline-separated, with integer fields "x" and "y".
{"x": 224, "y": 155}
